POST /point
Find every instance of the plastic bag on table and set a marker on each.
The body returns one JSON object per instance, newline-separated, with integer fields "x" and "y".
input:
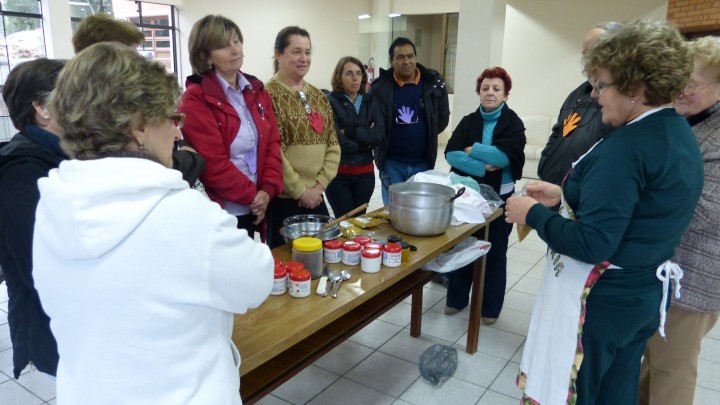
{"x": 438, "y": 361}
{"x": 470, "y": 207}
{"x": 491, "y": 197}
{"x": 431, "y": 176}
{"x": 462, "y": 254}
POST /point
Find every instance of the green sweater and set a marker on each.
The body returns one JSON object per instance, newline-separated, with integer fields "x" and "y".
{"x": 633, "y": 195}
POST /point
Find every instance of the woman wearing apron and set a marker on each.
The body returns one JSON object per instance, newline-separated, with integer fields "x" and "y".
{"x": 624, "y": 207}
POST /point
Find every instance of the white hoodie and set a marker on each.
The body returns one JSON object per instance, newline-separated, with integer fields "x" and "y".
{"x": 140, "y": 276}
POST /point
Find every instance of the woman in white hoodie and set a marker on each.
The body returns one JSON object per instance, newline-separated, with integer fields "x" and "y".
{"x": 139, "y": 274}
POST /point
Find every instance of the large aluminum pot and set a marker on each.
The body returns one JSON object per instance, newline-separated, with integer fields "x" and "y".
{"x": 421, "y": 209}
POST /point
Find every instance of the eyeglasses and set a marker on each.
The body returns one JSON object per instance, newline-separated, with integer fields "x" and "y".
{"x": 178, "y": 119}
{"x": 599, "y": 87}
{"x": 695, "y": 87}
{"x": 352, "y": 74}
{"x": 308, "y": 110}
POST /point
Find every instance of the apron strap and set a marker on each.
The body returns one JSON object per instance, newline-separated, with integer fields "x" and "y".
{"x": 665, "y": 272}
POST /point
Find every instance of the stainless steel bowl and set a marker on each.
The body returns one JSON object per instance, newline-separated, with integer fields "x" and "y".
{"x": 298, "y": 226}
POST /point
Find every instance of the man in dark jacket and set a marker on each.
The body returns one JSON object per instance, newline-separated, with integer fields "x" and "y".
{"x": 579, "y": 125}
{"x": 416, "y": 108}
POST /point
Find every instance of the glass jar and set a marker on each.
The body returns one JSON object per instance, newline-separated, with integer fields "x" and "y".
{"x": 309, "y": 252}
{"x": 299, "y": 283}
{"x": 371, "y": 260}
{"x": 392, "y": 254}
{"x": 332, "y": 251}
{"x": 351, "y": 253}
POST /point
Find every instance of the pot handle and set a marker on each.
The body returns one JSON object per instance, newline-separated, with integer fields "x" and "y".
{"x": 459, "y": 193}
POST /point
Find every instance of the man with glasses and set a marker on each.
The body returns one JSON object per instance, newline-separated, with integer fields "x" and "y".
{"x": 579, "y": 125}
{"x": 415, "y": 102}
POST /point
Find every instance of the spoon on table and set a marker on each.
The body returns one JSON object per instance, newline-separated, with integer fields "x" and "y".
{"x": 344, "y": 275}
{"x": 333, "y": 278}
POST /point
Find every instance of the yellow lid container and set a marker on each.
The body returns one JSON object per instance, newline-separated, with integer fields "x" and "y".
{"x": 306, "y": 244}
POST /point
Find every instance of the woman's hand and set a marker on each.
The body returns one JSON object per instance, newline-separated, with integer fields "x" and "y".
{"x": 491, "y": 168}
{"x": 517, "y": 207}
{"x": 311, "y": 197}
{"x": 259, "y": 205}
{"x": 547, "y": 194}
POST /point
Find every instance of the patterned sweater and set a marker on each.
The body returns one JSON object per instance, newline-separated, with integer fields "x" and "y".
{"x": 699, "y": 251}
{"x": 308, "y": 157}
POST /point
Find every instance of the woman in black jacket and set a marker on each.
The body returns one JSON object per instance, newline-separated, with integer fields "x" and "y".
{"x": 30, "y": 155}
{"x": 488, "y": 146}
{"x": 360, "y": 128}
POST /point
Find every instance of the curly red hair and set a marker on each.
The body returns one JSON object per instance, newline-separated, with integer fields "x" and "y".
{"x": 494, "y": 72}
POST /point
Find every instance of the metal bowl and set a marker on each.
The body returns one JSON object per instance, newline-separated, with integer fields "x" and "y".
{"x": 298, "y": 226}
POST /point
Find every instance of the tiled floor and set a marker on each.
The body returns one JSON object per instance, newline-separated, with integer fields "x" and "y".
{"x": 379, "y": 365}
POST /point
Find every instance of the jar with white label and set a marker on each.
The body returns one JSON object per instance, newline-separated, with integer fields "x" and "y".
{"x": 371, "y": 260}
{"x": 392, "y": 254}
{"x": 299, "y": 283}
{"x": 332, "y": 251}
{"x": 280, "y": 283}
{"x": 351, "y": 253}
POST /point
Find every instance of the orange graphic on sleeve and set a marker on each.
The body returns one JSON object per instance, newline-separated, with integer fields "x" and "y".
{"x": 570, "y": 123}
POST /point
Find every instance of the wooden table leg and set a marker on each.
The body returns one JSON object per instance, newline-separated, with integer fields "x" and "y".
{"x": 416, "y": 311}
{"x": 476, "y": 298}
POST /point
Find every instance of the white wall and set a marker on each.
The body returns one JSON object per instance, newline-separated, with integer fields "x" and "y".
{"x": 333, "y": 30}
{"x": 543, "y": 41}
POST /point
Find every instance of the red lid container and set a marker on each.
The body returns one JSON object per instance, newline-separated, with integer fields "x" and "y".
{"x": 333, "y": 244}
{"x": 351, "y": 246}
{"x": 373, "y": 245}
{"x": 362, "y": 239}
{"x": 280, "y": 271}
{"x": 392, "y": 248}
{"x": 300, "y": 275}
{"x": 371, "y": 253}
{"x": 290, "y": 266}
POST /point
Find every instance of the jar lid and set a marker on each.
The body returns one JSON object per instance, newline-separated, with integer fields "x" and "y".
{"x": 404, "y": 245}
{"x": 333, "y": 244}
{"x": 392, "y": 248}
{"x": 371, "y": 253}
{"x": 280, "y": 272}
{"x": 362, "y": 239}
{"x": 373, "y": 245}
{"x": 300, "y": 275}
{"x": 393, "y": 239}
{"x": 278, "y": 262}
{"x": 290, "y": 266}
{"x": 306, "y": 244}
{"x": 351, "y": 246}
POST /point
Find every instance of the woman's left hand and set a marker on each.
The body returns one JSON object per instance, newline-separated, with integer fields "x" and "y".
{"x": 258, "y": 206}
{"x": 516, "y": 209}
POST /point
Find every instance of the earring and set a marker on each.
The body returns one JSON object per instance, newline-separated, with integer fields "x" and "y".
{"x": 632, "y": 101}
{"x": 142, "y": 146}
{"x": 47, "y": 117}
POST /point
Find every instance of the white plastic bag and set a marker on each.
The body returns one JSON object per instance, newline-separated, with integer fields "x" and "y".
{"x": 462, "y": 254}
{"x": 470, "y": 207}
{"x": 432, "y": 176}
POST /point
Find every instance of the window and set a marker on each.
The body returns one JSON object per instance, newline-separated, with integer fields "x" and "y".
{"x": 21, "y": 39}
{"x": 156, "y": 21}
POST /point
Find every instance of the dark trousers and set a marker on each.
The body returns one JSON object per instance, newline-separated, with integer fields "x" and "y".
{"x": 246, "y": 222}
{"x": 281, "y": 208}
{"x": 348, "y": 191}
{"x": 460, "y": 280}
{"x": 622, "y": 314}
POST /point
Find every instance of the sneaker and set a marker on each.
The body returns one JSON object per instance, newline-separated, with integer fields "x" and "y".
{"x": 488, "y": 321}
{"x": 451, "y": 310}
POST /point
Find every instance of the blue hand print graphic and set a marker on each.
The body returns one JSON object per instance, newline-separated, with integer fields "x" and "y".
{"x": 406, "y": 115}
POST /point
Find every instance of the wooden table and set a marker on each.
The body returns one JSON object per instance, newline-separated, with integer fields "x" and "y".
{"x": 285, "y": 334}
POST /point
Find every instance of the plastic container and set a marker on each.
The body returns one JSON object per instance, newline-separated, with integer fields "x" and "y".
{"x": 299, "y": 283}
{"x": 332, "y": 250}
{"x": 309, "y": 252}
{"x": 280, "y": 284}
{"x": 373, "y": 245}
{"x": 405, "y": 253}
{"x": 392, "y": 254}
{"x": 362, "y": 240}
{"x": 292, "y": 266}
{"x": 351, "y": 253}
{"x": 371, "y": 260}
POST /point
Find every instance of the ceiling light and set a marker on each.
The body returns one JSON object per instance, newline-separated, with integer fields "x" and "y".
{"x": 363, "y": 16}
{"x": 393, "y": 15}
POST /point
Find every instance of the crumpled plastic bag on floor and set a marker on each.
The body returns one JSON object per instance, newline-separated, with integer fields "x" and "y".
{"x": 438, "y": 361}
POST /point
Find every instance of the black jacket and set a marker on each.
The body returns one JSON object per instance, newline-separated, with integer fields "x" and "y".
{"x": 435, "y": 102}
{"x": 363, "y": 131}
{"x": 561, "y": 151}
{"x": 23, "y": 161}
{"x": 508, "y": 136}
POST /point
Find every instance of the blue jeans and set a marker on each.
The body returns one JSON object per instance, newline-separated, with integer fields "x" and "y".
{"x": 398, "y": 172}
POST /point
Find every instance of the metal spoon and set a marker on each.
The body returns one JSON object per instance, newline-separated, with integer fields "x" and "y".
{"x": 344, "y": 275}
{"x": 333, "y": 278}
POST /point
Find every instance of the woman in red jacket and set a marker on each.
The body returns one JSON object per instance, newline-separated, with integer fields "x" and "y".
{"x": 230, "y": 121}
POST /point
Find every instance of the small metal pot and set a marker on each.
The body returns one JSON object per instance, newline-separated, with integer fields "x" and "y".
{"x": 422, "y": 209}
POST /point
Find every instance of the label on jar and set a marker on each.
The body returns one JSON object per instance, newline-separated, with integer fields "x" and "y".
{"x": 391, "y": 259}
{"x": 333, "y": 255}
{"x": 299, "y": 289}
{"x": 351, "y": 258}
{"x": 279, "y": 286}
